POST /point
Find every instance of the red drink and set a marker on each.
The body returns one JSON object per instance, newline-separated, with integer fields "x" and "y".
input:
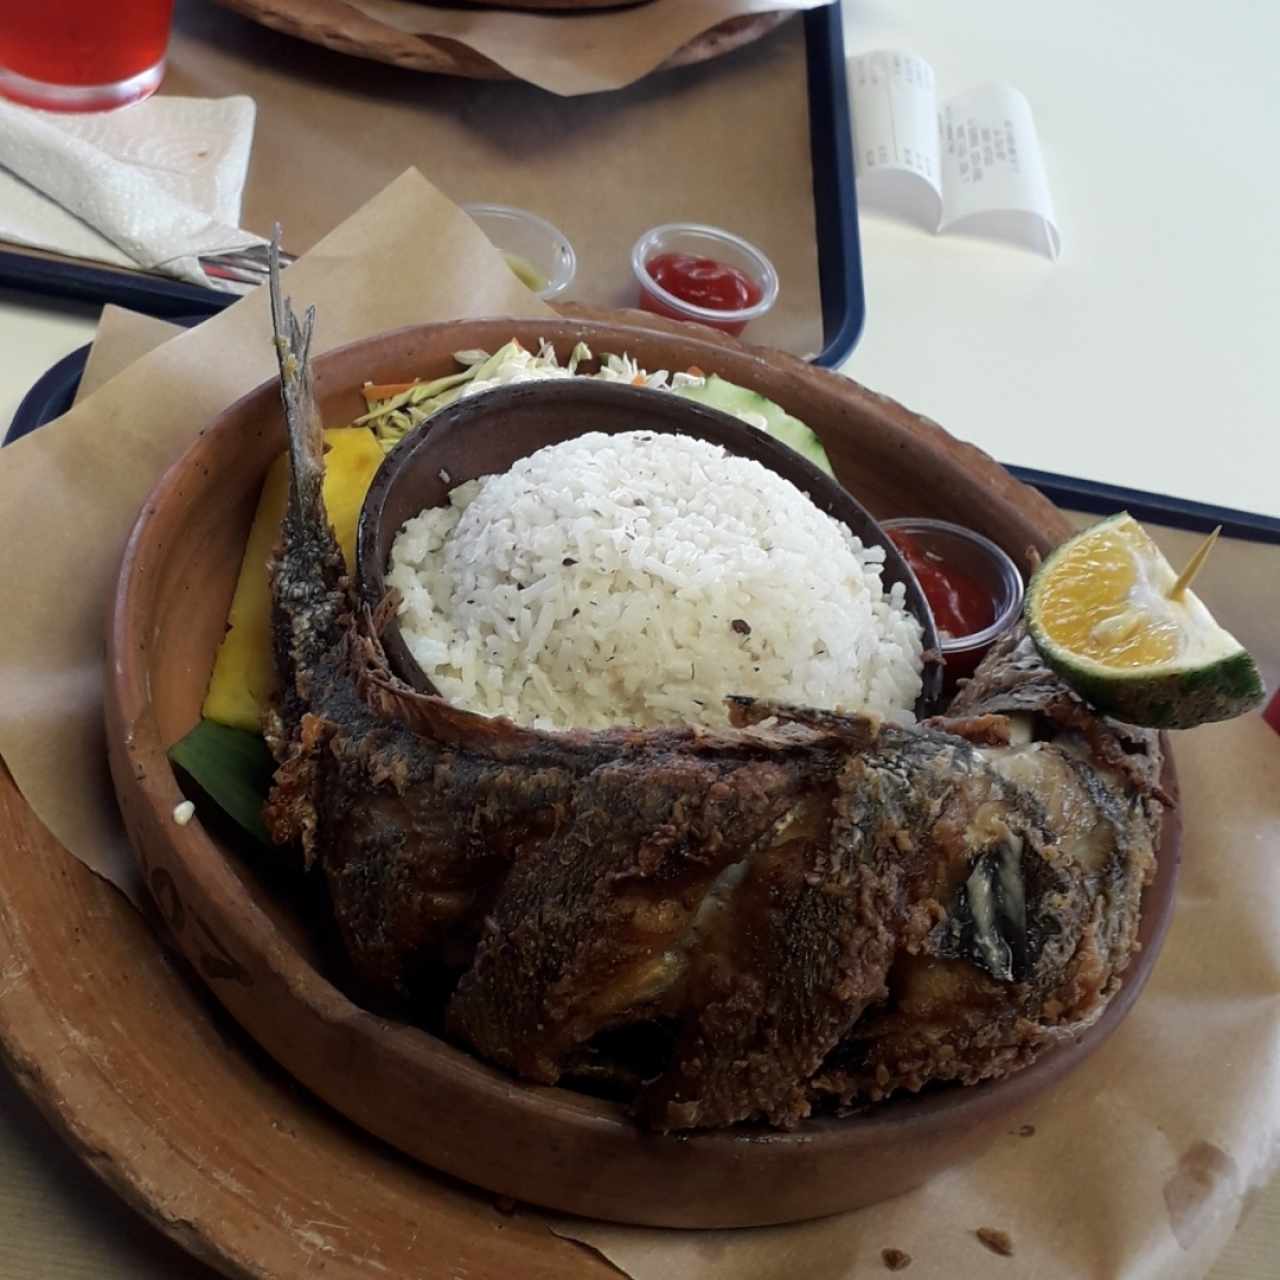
{"x": 82, "y": 55}
{"x": 1272, "y": 714}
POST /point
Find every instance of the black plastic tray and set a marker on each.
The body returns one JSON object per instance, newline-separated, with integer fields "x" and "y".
{"x": 835, "y": 211}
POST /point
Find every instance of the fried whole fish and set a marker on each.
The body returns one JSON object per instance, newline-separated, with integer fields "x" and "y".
{"x": 1031, "y": 944}
{"x": 800, "y": 909}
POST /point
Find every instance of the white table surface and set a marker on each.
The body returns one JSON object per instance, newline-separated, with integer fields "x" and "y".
{"x": 32, "y": 336}
{"x": 1145, "y": 355}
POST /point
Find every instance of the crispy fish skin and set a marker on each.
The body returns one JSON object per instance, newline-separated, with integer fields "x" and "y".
{"x": 595, "y": 925}
{"x": 1092, "y": 787}
{"x": 818, "y": 908}
{"x": 808, "y": 938}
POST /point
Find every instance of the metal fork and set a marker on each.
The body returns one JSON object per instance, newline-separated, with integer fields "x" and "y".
{"x": 243, "y": 266}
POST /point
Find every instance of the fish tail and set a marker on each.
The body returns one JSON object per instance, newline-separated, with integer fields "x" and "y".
{"x": 309, "y": 593}
{"x": 297, "y": 390}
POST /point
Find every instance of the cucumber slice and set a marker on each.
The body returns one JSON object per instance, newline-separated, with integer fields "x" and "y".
{"x": 754, "y": 409}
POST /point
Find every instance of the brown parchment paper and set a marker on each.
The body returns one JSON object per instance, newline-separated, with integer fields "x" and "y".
{"x": 576, "y": 53}
{"x": 122, "y": 337}
{"x": 1140, "y": 1164}
{"x": 69, "y": 494}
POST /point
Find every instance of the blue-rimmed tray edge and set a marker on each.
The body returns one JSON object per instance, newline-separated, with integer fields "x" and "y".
{"x": 50, "y": 396}
{"x": 1181, "y": 513}
{"x": 53, "y": 394}
{"x": 835, "y": 201}
{"x": 83, "y": 282}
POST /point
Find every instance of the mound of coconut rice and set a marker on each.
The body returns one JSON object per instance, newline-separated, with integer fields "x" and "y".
{"x": 640, "y": 579}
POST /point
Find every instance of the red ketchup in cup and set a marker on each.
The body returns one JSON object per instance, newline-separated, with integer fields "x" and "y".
{"x": 689, "y": 271}
{"x": 702, "y": 282}
{"x": 973, "y": 588}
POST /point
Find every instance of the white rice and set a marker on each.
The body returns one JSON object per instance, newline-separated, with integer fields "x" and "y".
{"x": 640, "y": 579}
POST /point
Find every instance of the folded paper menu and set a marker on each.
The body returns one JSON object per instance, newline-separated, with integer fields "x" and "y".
{"x": 1136, "y": 1167}
{"x": 971, "y": 164}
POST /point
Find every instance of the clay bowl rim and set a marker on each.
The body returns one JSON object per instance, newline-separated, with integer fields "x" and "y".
{"x": 405, "y": 465}
{"x": 148, "y": 790}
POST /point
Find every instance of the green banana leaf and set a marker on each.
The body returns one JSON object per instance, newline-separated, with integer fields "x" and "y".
{"x": 232, "y": 768}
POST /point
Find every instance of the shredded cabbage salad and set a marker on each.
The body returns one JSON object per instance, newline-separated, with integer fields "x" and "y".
{"x": 394, "y": 417}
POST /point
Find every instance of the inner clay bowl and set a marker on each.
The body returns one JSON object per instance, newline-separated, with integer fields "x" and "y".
{"x": 486, "y": 435}
{"x": 433, "y": 1101}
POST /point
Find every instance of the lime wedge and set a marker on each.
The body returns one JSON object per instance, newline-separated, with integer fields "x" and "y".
{"x": 1100, "y": 611}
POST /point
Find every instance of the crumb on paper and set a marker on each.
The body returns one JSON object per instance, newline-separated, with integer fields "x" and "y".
{"x": 1027, "y": 1131}
{"x": 183, "y": 813}
{"x": 895, "y": 1259}
{"x": 996, "y": 1241}
{"x": 741, "y": 626}
{"x": 1193, "y": 1194}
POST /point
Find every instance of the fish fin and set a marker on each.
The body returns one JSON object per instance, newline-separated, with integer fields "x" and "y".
{"x": 290, "y": 812}
{"x": 388, "y": 696}
{"x": 308, "y": 574}
{"x": 855, "y": 730}
{"x": 990, "y": 730}
{"x": 447, "y": 725}
{"x": 297, "y": 390}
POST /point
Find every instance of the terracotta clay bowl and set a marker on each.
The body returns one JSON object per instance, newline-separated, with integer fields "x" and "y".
{"x": 486, "y": 434}
{"x": 432, "y": 1100}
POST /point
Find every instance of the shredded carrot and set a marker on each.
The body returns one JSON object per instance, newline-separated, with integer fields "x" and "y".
{"x": 385, "y": 390}
{"x": 694, "y": 372}
{"x": 638, "y": 380}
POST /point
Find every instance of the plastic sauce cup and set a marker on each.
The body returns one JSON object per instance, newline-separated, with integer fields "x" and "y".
{"x": 701, "y": 241}
{"x": 985, "y": 564}
{"x": 537, "y": 251}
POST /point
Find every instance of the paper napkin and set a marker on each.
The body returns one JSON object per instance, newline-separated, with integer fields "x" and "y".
{"x": 156, "y": 185}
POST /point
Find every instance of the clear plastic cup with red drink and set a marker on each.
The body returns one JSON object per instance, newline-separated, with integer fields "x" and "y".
{"x": 82, "y": 55}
